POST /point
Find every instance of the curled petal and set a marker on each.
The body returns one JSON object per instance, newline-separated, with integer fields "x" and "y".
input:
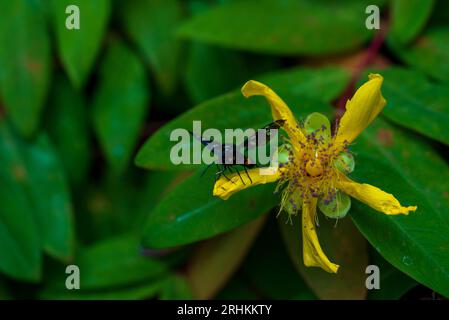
{"x": 361, "y": 110}
{"x": 313, "y": 255}
{"x": 372, "y": 196}
{"x": 225, "y": 188}
{"x": 279, "y": 109}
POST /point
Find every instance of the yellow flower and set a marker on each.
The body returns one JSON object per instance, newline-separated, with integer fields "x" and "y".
{"x": 315, "y": 172}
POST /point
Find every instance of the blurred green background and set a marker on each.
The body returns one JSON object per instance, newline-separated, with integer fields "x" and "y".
{"x": 85, "y": 174}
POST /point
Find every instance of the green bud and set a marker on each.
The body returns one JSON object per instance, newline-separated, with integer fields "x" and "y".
{"x": 319, "y": 124}
{"x": 345, "y": 162}
{"x": 337, "y": 208}
{"x": 283, "y": 153}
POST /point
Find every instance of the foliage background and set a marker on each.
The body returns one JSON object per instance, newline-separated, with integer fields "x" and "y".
{"x": 78, "y": 106}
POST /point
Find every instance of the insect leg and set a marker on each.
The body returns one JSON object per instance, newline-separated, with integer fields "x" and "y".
{"x": 247, "y": 174}
{"x": 221, "y": 172}
{"x": 204, "y": 171}
{"x": 224, "y": 174}
{"x": 238, "y": 172}
{"x": 218, "y": 173}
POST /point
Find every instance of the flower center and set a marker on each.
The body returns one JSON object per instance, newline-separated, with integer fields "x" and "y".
{"x": 314, "y": 167}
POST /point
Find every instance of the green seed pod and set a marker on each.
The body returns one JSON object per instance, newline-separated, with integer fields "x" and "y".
{"x": 319, "y": 125}
{"x": 294, "y": 205}
{"x": 336, "y": 208}
{"x": 284, "y": 153}
{"x": 345, "y": 162}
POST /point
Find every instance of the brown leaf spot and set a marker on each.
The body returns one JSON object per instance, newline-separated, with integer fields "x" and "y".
{"x": 19, "y": 173}
{"x": 385, "y": 137}
{"x": 98, "y": 204}
{"x": 33, "y": 66}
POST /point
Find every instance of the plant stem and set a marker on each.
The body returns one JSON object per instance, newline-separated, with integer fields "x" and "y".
{"x": 370, "y": 55}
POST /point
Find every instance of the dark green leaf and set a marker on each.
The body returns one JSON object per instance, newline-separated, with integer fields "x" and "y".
{"x": 282, "y": 27}
{"x": 175, "y": 288}
{"x": 38, "y": 184}
{"x": 112, "y": 263}
{"x": 190, "y": 213}
{"x": 416, "y": 103}
{"x": 121, "y": 204}
{"x": 270, "y": 270}
{"x": 151, "y": 25}
{"x": 120, "y": 104}
{"x": 343, "y": 245}
{"x": 25, "y": 60}
{"x": 4, "y": 293}
{"x": 67, "y": 123}
{"x": 211, "y": 71}
{"x": 78, "y": 48}
{"x": 393, "y": 283}
{"x": 304, "y": 90}
{"x": 104, "y": 264}
{"x": 216, "y": 260}
{"x": 402, "y": 164}
{"x": 429, "y": 53}
{"x": 20, "y": 243}
{"x": 440, "y": 15}
{"x": 46, "y": 186}
{"x": 409, "y": 18}
{"x": 142, "y": 291}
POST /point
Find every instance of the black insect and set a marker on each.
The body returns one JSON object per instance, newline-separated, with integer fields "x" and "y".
{"x": 230, "y": 155}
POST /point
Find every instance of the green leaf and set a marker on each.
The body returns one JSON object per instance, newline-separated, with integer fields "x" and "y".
{"x": 78, "y": 48}
{"x": 67, "y": 123}
{"x": 142, "y": 291}
{"x": 151, "y": 25}
{"x": 25, "y": 60}
{"x": 211, "y": 71}
{"x": 120, "y": 105}
{"x": 190, "y": 213}
{"x": 440, "y": 13}
{"x": 402, "y": 164}
{"x": 20, "y": 243}
{"x": 121, "y": 204}
{"x": 429, "y": 53}
{"x": 46, "y": 186}
{"x": 304, "y": 90}
{"x": 102, "y": 265}
{"x": 343, "y": 245}
{"x": 156, "y": 185}
{"x": 37, "y": 182}
{"x": 393, "y": 283}
{"x": 416, "y": 103}
{"x": 270, "y": 270}
{"x": 4, "y": 292}
{"x": 284, "y": 28}
{"x": 408, "y": 18}
{"x": 175, "y": 288}
{"x": 216, "y": 260}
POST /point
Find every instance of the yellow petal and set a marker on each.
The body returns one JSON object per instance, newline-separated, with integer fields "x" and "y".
{"x": 225, "y": 188}
{"x": 279, "y": 109}
{"x": 372, "y": 196}
{"x": 361, "y": 110}
{"x": 313, "y": 255}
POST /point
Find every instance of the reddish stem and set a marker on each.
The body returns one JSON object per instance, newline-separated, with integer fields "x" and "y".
{"x": 370, "y": 55}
